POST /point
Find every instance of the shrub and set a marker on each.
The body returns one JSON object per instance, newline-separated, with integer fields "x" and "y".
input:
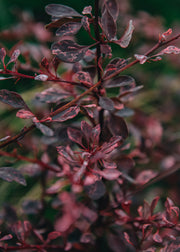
{"x": 91, "y": 164}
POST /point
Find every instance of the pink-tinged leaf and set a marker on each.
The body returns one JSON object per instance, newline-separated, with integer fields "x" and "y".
{"x": 145, "y": 176}
{"x": 114, "y": 66}
{"x": 45, "y": 63}
{"x": 5, "y": 78}
{"x": 87, "y": 238}
{"x": 109, "y": 165}
{"x": 59, "y": 11}
{"x": 85, "y": 23}
{"x": 68, "y": 29}
{"x": 87, "y": 10}
{"x": 2, "y": 54}
{"x": 12, "y": 98}
{"x": 125, "y": 39}
{"x": 169, "y": 50}
{"x": 142, "y": 58}
{"x": 95, "y": 134}
{"x": 53, "y": 235}
{"x": 110, "y": 174}
{"x": 75, "y": 135}
{"x": 6, "y": 237}
{"x": 69, "y": 51}
{"x": 126, "y": 236}
{"x": 108, "y": 24}
{"x": 9, "y": 174}
{"x": 14, "y": 56}
{"x": 106, "y": 103}
{"x": 84, "y": 77}
{"x": 120, "y": 81}
{"x": 52, "y": 95}
{"x": 41, "y": 77}
{"x": 44, "y": 129}
{"x": 154, "y": 203}
{"x": 24, "y": 114}
{"x": 113, "y": 143}
{"x": 66, "y": 114}
{"x": 164, "y": 36}
{"x": 157, "y": 237}
{"x": 118, "y": 126}
{"x": 113, "y": 8}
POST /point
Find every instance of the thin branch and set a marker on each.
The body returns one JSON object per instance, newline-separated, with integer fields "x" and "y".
{"x": 154, "y": 48}
{"x": 30, "y": 160}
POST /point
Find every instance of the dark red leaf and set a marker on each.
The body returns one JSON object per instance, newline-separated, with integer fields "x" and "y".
{"x": 95, "y": 134}
{"x": 125, "y": 39}
{"x": 114, "y": 66}
{"x": 67, "y": 29}
{"x": 120, "y": 81}
{"x": 45, "y": 63}
{"x": 10, "y": 174}
{"x": 75, "y": 135}
{"x": 44, "y": 129}
{"x": 86, "y": 129}
{"x": 64, "y": 153}
{"x": 96, "y": 191}
{"x": 66, "y": 114}
{"x": 59, "y": 10}
{"x": 85, "y": 23}
{"x": 12, "y": 98}
{"x": 84, "y": 77}
{"x": 69, "y": 51}
{"x": 108, "y": 24}
{"x": 24, "y": 114}
{"x": 113, "y": 8}
{"x": 87, "y": 10}
{"x": 118, "y": 126}
{"x": 154, "y": 203}
{"x": 157, "y": 237}
{"x": 2, "y": 54}
{"x": 106, "y": 103}
{"x": 53, "y": 235}
{"x": 142, "y": 58}
{"x": 51, "y": 95}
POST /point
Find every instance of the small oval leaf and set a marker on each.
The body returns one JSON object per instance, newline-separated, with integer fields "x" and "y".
{"x": 12, "y": 98}
{"x": 59, "y": 10}
{"x": 67, "y": 29}
{"x": 66, "y": 114}
{"x": 118, "y": 126}
{"x": 106, "y": 103}
{"x": 69, "y": 51}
